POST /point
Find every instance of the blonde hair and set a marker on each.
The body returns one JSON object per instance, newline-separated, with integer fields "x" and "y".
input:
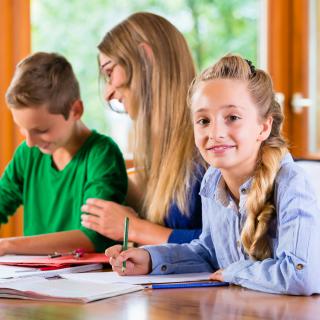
{"x": 260, "y": 207}
{"x": 44, "y": 79}
{"x": 164, "y": 144}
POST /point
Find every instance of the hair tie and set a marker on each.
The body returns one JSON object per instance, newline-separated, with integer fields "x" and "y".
{"x": 252, "y": 67}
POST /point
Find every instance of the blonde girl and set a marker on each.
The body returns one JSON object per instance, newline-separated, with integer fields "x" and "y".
{"x": 148, "y": 67}
{"x": 260, "y": 213}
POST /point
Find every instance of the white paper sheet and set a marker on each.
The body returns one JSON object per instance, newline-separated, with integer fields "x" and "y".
{"x": 23, "y": 272}
{"x": 12, "y": 271}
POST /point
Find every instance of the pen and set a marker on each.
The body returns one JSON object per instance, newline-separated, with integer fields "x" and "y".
{"x": 188, "y": 285}
{"x": 125, "y": 241}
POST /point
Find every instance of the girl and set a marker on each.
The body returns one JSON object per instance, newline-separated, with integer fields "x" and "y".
{"x": 148, "y": 67}
{"x": 260, "y": 215}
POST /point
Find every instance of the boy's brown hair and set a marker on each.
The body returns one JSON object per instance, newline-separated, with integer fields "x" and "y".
{"x": 44, "y": 79}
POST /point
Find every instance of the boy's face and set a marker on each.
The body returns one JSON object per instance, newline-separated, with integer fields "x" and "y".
{"x": 44, "y": 130}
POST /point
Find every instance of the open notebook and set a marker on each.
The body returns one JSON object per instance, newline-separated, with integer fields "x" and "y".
{"x": 35, "y": 288}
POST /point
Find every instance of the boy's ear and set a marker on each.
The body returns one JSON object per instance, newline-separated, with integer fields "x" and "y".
{"x": 266, "y": 129}
{"x": 76, "y": 109}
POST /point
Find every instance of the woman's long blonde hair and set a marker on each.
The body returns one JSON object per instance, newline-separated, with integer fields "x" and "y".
{"x": 159, "y": 82}
{"x": 260, "y": 207}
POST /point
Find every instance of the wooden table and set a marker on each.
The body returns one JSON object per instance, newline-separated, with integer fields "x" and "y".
{"x": 197, "y": 303}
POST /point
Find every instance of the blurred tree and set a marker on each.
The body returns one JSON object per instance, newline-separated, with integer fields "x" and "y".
{"x": 75, "y": 27}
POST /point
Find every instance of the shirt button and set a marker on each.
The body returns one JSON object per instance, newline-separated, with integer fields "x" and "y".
{"x": 299, "y": 266}
{"x": 238, "y": 243}
{"x": 163, "y": 268}
{"x": 243, "y": 191}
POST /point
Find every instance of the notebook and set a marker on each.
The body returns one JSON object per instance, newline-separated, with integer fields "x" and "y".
{"x": 63, "y": 290}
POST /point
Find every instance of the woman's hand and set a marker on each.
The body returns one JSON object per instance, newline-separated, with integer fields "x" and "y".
{"x": 107, "y": 217}
{"x": 138, "y": 261}
{"x": 217, "y": 276}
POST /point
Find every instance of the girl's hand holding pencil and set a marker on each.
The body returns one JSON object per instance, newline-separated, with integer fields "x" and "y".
{"x": 138, "y": 261}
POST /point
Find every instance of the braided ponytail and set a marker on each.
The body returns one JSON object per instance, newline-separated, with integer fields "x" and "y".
{"x": 259, "y": 204}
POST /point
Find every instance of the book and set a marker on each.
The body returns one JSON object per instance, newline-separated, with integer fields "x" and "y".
{"x": 62, "y": 290}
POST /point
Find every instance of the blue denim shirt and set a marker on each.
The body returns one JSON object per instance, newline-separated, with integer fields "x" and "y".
{"x": 294, "y": 267}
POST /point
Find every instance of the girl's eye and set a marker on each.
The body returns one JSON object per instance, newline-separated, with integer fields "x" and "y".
{"x": 233, "y": 118}
{"x": 202, "y": 122}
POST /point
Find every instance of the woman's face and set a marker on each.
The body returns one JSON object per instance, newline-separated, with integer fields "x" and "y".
{"x": 115, "y": 85}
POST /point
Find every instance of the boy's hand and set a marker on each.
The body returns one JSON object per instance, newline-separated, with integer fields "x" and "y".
{"x": 3, "y": 246}
{"x": 106, "y": 217}
{"x": 138, "y": 260}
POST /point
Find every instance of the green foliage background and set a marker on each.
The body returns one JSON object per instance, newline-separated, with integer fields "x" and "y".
{"x": 75, "y": 27}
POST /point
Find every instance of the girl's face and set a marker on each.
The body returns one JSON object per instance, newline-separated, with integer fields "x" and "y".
{"x": 227, "y": 127}
{"x": 115, "y": 88}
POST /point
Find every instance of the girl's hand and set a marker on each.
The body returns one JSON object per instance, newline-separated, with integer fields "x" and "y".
{"x": 107, "y": 218}
{"x": 138, "y": 261}
{"x": 217, "y": 276}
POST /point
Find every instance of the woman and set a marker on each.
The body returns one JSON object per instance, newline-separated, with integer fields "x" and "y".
{"x": 148, "y": 67}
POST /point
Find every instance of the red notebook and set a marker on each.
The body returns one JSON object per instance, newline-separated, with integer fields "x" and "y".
{"x": 43, "y": 261}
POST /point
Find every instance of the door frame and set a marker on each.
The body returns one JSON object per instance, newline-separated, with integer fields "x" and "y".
{"x": 288, "y": 48}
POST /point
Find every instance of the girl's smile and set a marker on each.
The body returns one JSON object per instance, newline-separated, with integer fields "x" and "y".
{"x": 220, "y": 149}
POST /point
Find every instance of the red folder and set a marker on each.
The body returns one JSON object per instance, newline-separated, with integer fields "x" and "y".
{"x": 39, "y": 261}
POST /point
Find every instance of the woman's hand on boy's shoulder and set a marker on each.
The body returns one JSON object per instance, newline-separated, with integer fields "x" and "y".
{"x": 107, "y": 217}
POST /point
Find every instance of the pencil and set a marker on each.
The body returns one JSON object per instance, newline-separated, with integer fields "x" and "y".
{"x": 125, "y": 241}
{"x": 201, "y": 284}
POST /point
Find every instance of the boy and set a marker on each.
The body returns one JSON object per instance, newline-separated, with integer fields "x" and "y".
{"x": 61, "y": 163}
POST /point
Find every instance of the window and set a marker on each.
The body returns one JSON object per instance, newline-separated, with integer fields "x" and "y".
{"x": 74, "y": 28}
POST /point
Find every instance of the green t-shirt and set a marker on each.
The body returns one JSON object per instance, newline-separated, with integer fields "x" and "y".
{"x": 52, "y": 199}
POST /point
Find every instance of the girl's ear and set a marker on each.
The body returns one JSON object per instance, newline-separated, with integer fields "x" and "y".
{"x": 76, "y": 110}
{"x": 266, "y": 129}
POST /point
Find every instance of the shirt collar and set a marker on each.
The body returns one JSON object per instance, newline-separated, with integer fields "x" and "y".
{"x": 214, "y": 186}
